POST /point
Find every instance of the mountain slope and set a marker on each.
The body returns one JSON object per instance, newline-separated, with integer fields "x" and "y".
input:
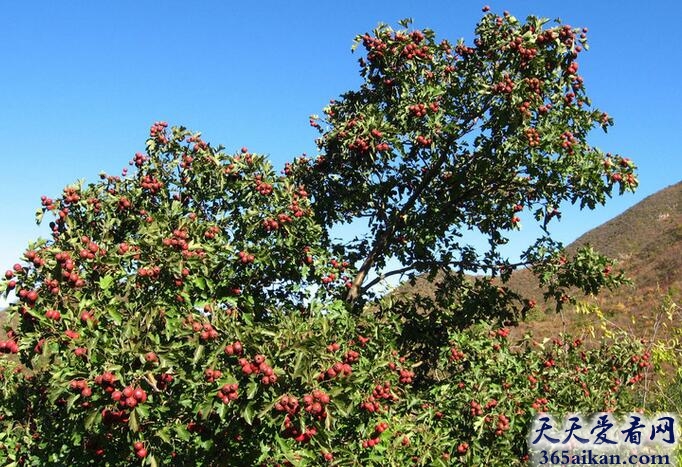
{"x": 646, "y": 240}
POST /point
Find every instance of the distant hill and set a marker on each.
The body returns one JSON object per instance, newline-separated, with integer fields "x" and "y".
{"x": 647, "y": 242}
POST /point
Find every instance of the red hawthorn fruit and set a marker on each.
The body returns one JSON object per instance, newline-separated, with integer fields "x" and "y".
{"x": 139, "y": 394}
{"x": 141, "y": 453}
{"x": 138, "y": 445}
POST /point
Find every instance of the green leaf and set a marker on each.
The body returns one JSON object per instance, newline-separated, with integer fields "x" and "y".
{"x": 132, "y": 422}
{"x": 198, "y": 354}
{"x": 200, "y": 282}
{"x": 106, "y": 282}
{"x": 251, "y": 390}
{"x": 249, "y": 412}
{"x": 182, "y": 432}
{"x": 163, "y": 434}
{"x": 91, "y": 419}
{"x": 115, "y": 315}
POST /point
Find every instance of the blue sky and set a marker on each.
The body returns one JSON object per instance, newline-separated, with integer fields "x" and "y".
{"x": 81, "y": 83}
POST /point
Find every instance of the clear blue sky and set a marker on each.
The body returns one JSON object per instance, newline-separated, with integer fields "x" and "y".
{"x": 82, "y": 81}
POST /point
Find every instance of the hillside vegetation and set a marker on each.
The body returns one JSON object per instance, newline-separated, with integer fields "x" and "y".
{"x": 646, "y": 240}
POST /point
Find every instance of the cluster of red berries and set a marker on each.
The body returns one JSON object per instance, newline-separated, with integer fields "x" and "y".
{"x": 139, "y": 159}
{"x": 421, "y": 110}
{"x": 179, "y": 240}
{"x": 130, "y": 397}
{"x": 206, "y": 331}
{"x": 53, "y": 314}
{"x": 643, "y": 361}
{"x": 315, "y": 403}
{"x": 151, "y": 184}
{"x": 123, "y": 248}
{"x": 140, "y": 450}
{"x": 86, "y": 316}
{"x": 534, "y": 85}
{"x": 270, "y": 224}
{"x": 163, "y": 380}
{"x": 292, "y": 431}
{"x": 380, "y": 392}
{"x": 30, "y": 296}
{"x": 423, "y": 141}
{"x": 107, "y": 381}
{"x": 506, "y": 86}
{"x": 362, "y": 340}
{"x": 257, "y": 367}
{"x": 158, "y": 132}
{"x": 462, "y": 448}
{"x": 124, "y": 203}
{"x": 533, "y": 137}
{"x": 351, "y": 357}
{"x": 524, "y": 108}
{"x": 110, "y": 417}
{"x": 152, "y": 272}
{"x": 504, "y": 332}
{"x": 288, "y": 404}
{"x": 91, "y": 249}
{"x": 228, "y": 392}
{"x": 48, "y": 203}
{"x": 463, "y": 50}
{"x": 567, "y": 140}
{"x": 375, "y": 46}
{"x": 413, "y": 50}
{"x": 9, "y": 346}
{"x": 540, "y": 404}
{"x": 359, "y": 145}
{"x": 329, "y": 278}
{"x": 245, "y": 258}
{"x": 234, "y": 349}
{"x": 339, "y": 369}
{"x": 527, "y": 53}
{"x": 376, "y": 436}
{"x": 475, "y": 408}
{"x": 81, "y": 385}
{"x": 211, "y": 232}
{"x": 71, "y": 195}
{"x": 33, "y": 257}
{"x": 199, "y": 144}
{"x": 211, "y": 375}
{"x": 295, "y": 207}
{"x": 405, "y": 376}
{"x": 262, "y": 187}
{"x": 67, "y": 266}
{"x": 456, "y": 354}
{"x": 381, "y": 147}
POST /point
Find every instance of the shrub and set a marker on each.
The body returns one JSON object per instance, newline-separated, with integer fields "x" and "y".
{"x": 195, "y": 311}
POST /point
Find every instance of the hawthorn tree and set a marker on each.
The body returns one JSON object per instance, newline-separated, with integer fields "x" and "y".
{"x": 196, "y": 312}
{"x": 443, "y": 139}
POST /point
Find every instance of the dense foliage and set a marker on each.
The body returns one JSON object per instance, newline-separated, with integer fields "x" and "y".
{"x": 195, "y": 311}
